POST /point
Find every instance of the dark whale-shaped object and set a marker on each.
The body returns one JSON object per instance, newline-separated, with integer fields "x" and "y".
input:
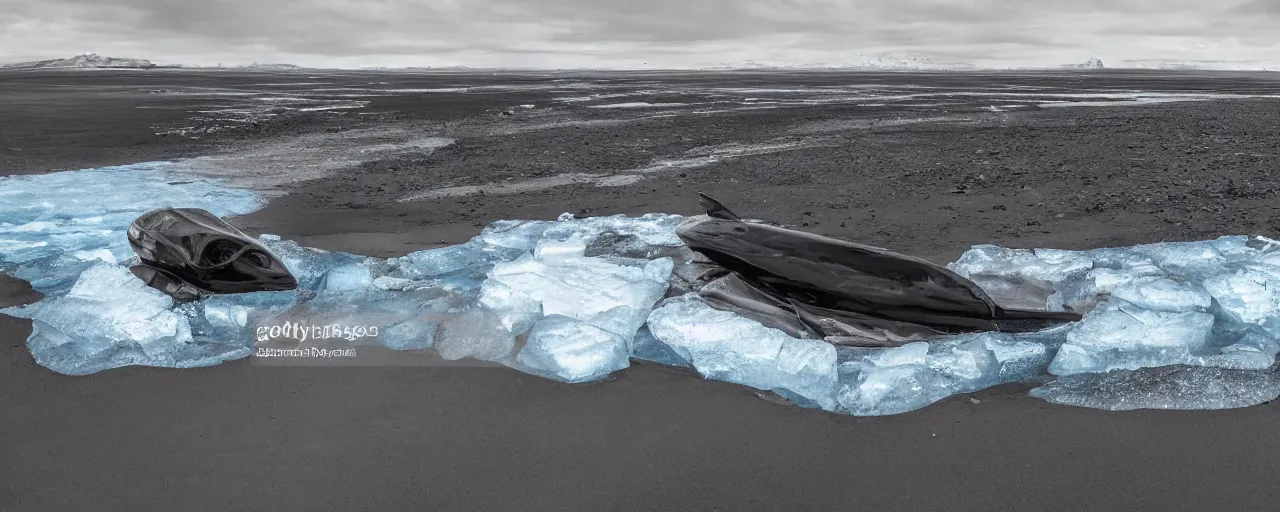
{"x": 854, "y": 293}
{"x": 185, "y": 252}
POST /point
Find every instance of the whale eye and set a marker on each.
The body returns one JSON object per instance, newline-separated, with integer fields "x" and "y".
{"x": 258, "y": 258}
{"x": 220, "y": 252}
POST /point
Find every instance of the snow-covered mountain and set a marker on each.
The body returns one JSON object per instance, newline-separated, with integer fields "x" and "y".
{"x": 1094, "y": 63}
{"x": 86, "y": 60}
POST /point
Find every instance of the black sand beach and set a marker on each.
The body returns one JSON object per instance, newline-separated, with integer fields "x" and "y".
{"x": 923, "y": 179}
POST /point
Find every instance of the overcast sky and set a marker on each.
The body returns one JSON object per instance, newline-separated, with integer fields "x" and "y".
{"x": 639, "y": 33}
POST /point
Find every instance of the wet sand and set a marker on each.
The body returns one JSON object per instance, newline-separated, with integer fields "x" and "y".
{"x": 247, "y": 437}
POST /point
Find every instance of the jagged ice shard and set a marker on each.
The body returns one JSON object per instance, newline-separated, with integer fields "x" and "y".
{"x": 906, "y": 378}
{"x": 726, "y": 347}
{"x": 1165, "y": 387}
{"x": 1191, "y": 325}
{"x": 1211, "y": 308}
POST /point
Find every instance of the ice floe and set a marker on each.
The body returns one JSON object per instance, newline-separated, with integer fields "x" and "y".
{"x": 1192, "y": 325}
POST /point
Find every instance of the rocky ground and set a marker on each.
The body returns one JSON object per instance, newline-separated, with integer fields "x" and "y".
{"x": 1067, "y": 178}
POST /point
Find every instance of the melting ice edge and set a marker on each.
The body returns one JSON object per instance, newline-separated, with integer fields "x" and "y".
{"x": 1192, "y": 325}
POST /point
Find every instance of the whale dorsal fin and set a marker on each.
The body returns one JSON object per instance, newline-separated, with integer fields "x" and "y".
{"x": 715, "y": 209}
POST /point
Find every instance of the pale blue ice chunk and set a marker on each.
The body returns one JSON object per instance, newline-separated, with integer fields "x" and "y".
{"x": 1253, "y": 350}
{"x": 400, "y": 284}
{"x": 893, "y": 381}
{"x": 725, "y": 347}
{"x": 110, "y": 318}
{"x": 346, "y": 279}
{"x": 1155, "y": 304}
{"x": 1019, "y": 278}
{"x": 649, "y": 234}
{"x": 646, "y": 347}
{"x": 1247, "y": 293}
{"x": 1240, "y": 248}
{"x": 521, "y": 235}
{"x": 1118, "y": 335}
{"x": 307, "y": 264}
{"x": 876, "y": 382}
{"x": 475, "y": 333}
{"x": 570, "y": 350}
{"x": 409, "y": 335}
{"x": 1168, "y": 387}
{"x": 573, "y": 246}
{"x": 232, "y": 318}
{"x": 470, "y": 256}
{"x": 652, "y": 229}
{"x": 906, "y": 378}
{"x": 1163, "y": 294}
{"x": 1183, "y": 255}
{"x": 616, "y": 298}
{"x": 1025, "y": 356}
{"x": 1082, "y": 292}
{"x": 516, "y": 305}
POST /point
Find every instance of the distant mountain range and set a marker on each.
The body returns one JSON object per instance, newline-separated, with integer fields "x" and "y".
{"x": 95, "y": 61}
{"x": 84, "y": 61}
{"x": 269, "y": 67}
{"x": 1201, "y": 65}
{"x": 877, "y": 62}
{"x": 883, "y": 61}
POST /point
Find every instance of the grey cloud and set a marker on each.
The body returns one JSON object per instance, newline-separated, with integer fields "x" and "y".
{"x": 354, "y": 28}
{"x": 1265, "y": 7}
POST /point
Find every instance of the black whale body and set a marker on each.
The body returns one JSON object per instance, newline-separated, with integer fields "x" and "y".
{"x": 844, "y": 291}
{"x": 188, "y": 251}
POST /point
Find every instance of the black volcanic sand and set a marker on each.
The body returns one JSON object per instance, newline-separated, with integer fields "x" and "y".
{"x": 244, "y": 437}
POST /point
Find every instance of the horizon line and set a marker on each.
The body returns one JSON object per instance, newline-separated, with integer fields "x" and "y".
{"x": 1154, "y": 64}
